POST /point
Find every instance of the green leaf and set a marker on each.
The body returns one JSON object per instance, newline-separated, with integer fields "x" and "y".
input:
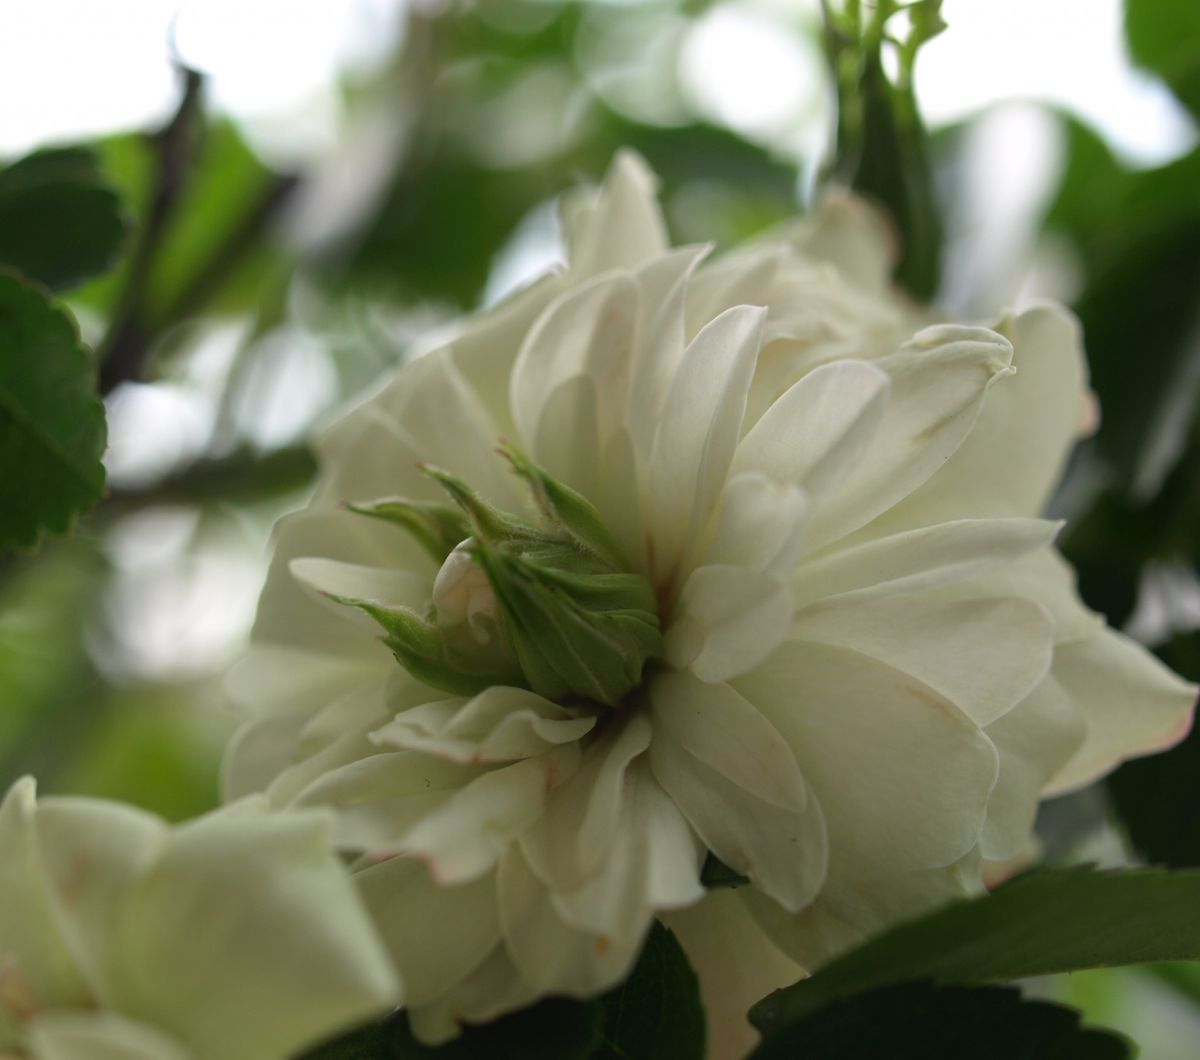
{"x": 52, "y": 427}
{"x": 1041, "y": 923}
{"x": 556, "y": 1028}
{"x": 1164, "y": 36}
{"x": 656, "y": 1014}
{"x": 919, "y": 1021}
{"x": 61, "y": 222}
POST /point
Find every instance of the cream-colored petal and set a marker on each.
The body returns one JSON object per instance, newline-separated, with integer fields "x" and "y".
{"x": 901, "y": 774}
{"x": 1018, "y": 448}
{"x": 737, "y": 964}
{"x": 587, "y": 332}
{"x": 652, "y": 864}
{"x": 389, "y": 587}
{"x": 819, "y": 430}
{"x": 93, "y": 853}
{"x": 938, "y": 384}
{"x": 851, "y": 234}
{"x": 622, "y": 226}
{"x": 435, "y": 935}
{"x": 761, "y": 526}
{"x": 1034, "y": 740}
{"x": 265, "y": 894}
{"x": 619, "y": 500}
{"x": 1132, "y": 703}
{"x": 919, "y": 559}
{"x": 553, "y": 957}
{"x": 783, "y": 851}
{"x": 464, "y": 837}
{"x": 698, "y": 431}
{"x": 500, "y": 724}
{"x": 984, "y": 655}
{"x": 257, "y": 753}
{"x": 567, "y": 443}
{"x": 572, "y": 840}
{"x": 853, "y": 905}
{"x": 727, "y": 620}
{"x": 68, "y": 1035}
{"x": 36, "y": 968}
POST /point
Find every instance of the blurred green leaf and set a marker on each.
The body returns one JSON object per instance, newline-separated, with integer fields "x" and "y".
{"x": 1043, "y": 922}
{"x": 656, "y": 1014}
{"x": 52, "y": 427}
{"x": 60, "y": 219}
{"x": 920, "y": 1021}
{"x": 1164, "y": 37}
{"x": 1138, "y": 237}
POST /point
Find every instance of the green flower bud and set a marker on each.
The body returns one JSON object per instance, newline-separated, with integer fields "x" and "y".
{"x": 578, "y": 624}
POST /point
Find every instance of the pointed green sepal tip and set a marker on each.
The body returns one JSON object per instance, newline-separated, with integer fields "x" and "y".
{"x": 563, "y": 508}
{"x": 436, "y": 526}
{"x": 429, "y": 654}
{"x": 487, "y": 522}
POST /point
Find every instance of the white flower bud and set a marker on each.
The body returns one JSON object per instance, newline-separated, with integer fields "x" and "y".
{"x": 462, "y": 593}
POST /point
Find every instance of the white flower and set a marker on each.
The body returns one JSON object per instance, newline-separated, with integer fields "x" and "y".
{"x": 873, "y": 663}
{"x": 237, "y": 936}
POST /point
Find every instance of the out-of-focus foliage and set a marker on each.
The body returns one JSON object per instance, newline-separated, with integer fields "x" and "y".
{"x": 51, "y": 422}
{"x": 1164, "y": 36}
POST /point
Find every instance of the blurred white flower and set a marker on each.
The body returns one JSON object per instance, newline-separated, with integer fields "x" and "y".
{"x": 237, "y": 936}
{"x": 872, "y": 662}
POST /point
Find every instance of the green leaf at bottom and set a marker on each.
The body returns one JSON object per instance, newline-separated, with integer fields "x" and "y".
{"x": 920, "y": 1021}
{"x": 1044, "y": 922}
{"x": 52, "y": 427}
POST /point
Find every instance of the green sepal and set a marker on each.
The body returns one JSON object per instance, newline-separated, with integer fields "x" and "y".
{"x": 563, "y": 508}
{"x": 427, "y": 653}
{"x": 575, "y": 634}
{"x": 437, "y": 527}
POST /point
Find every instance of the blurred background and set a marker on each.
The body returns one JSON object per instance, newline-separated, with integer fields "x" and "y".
{"x": 313, "y": 190}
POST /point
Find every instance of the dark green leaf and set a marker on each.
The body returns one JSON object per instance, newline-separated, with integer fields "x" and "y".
{"x": 60, "y": 220}
{"x": 1044, "y": 922}
{"x": 919, "y": 1021}
{"x": 656, "y": 1014}
{"x": 52, "y": 427}
{"x": 1164, "y": 36}
{"x": 555, "y": 1029}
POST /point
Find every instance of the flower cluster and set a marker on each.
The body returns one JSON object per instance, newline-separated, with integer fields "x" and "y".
{"x": 676, "y": 559}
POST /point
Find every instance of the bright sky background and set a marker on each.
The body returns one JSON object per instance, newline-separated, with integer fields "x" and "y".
{"x": 77, "y": 68}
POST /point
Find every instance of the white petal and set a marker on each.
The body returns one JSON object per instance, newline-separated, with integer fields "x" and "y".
{"x": 938, "y": 384}
{"x": 1132, "y": 703}
{"x": 436, "y": 935}
{"x": 652, "y": 864}
{"x": 573, "y": 838}
{"x": 568, "y": 434}
{"x": 851, "y": 234}
{"x": 465, "y": 836}
{"x": 727, "y": 620}
{"x": 263, "y": 894}
{"x": 71, "y": 1035}
{"x": 737, "y": 965}
{"x": 257, "y": 753}
{"x": 624, "y": 227}
{"x": 919, "y": 559}
{"x": 498, "y": 725}
{"x": 389, "y": 587}
{"x": 666, "y": 285}
{"x": 901, "y": 774}
{"x": 819, "y": 430}
{"x": 588, "y": 332}
{"x": 766, "y": 825}
{"x": 701, "y": 421}
{"x": 551, "y": 956}
{"x": 1035, "y": 739}
{"x": 761, "y": 525}
{"x": 489, "y": 990}
{"x": 618, "y": 499}
{"x": 983, "y": 655}
{"x": 35, "y": 963}
{"x": 1018, "y": 448}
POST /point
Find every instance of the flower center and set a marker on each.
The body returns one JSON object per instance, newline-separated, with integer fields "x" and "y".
{"x": 551, "y": 606}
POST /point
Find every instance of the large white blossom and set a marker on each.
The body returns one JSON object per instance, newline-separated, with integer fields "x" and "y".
{"x": 873, "y": 662}
{"x": 237, "y": 936}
